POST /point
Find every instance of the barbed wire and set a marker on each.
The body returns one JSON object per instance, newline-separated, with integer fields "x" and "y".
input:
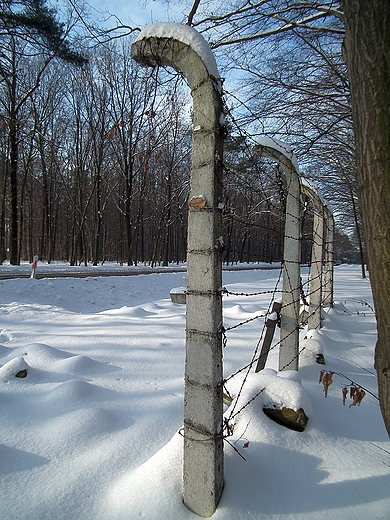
{"x": 318, "y": 242}
{"x": 234, "y": 412}
{"x": 227, "y": 292}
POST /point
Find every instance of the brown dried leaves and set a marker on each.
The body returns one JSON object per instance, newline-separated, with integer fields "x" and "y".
{"x": 326, "y": 380}
{"x": 356, "y": 393}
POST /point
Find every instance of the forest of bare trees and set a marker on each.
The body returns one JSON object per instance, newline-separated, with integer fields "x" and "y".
{"x": 103, "y": 168}
{"x": 95, "y": 151}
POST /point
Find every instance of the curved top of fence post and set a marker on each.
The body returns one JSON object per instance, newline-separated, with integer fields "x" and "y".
{"x": 310, "y": 190}
{"x": 289, "y": 328}
{"x": 179, "y": 46}
{"x": 280, "y": 152}
{"x": 328, "y": 213}
{"x": 183, "y": 48}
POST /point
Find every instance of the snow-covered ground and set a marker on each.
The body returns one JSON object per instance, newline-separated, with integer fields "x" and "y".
{"x": 92, "y": 432}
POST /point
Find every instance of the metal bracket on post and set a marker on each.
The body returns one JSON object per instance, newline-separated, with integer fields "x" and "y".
{"x": 184, "y": 49}
{"x": 289, "y": 329}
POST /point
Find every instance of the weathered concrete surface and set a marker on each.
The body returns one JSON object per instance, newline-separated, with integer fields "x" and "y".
{"x": 178, "y": 295}
{"x": 315, "y": 299}
{"x": 327, "y": 292}
{"x": 203, "y": 399}
{"x": 289, "y": 327}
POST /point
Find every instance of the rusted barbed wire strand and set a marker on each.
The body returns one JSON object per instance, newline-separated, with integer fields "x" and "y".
{"x": 227, "y": 292}
{"x": 255, "y": 396}
{"x": 254, "y": 359}
{"x": 267, "y": 313}
{"x": 225, "y": 329}
{"x": 234, "y": 413}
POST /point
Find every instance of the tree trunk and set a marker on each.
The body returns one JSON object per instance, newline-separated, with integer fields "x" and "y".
{"x": 167, "y": 231}
{"x": 13, "y": 226}
{"x": 358, "y": 234}
{"x": 3, "y": 175}
{"x": 98, "y": 223}
{"x": 127, "y": 210}
{"x": 367, "y": 44}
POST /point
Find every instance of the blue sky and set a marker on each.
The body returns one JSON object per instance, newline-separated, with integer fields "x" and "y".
{"x": 140, "y": 12}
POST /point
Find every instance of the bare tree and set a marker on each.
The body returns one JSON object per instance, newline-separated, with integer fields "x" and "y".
{"x": 132, "y": 114}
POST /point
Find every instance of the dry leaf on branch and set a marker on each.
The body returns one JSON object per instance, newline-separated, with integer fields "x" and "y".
{"x": 355, "y": 392}
{"x": 326, "y": 381}
{"x": 357, "y": 397}
{"x": 345, "y": 393}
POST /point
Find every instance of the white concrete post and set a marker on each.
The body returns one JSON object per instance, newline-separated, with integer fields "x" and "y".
{"x": 315, "y": 298}
{"x": 289, "y": 328}
{"x": 328, "y": 268}
{"x": 182, "y": 48}
{"x": 314, "y": 319}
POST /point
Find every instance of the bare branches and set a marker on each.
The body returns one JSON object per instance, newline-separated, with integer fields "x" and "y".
{"x": 248, "y": 21}
{"x": 95, "y": 33}
{"x": 303, "y": 23}
{"x": 193, "y": 12}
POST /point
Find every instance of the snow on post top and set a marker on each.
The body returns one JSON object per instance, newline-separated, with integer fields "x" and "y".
{"x": 281, "y": 147}
{"x": 317, "y": 192}
{"x": 311, "y": 186}
{"x": 187, "y": 35}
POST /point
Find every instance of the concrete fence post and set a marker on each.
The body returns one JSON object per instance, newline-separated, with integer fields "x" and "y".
{"x": 315, "y": 298}
{"x": 289, "y": 328}
{"x": 184, "y": 49}
{"x": 328, "y": 267}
